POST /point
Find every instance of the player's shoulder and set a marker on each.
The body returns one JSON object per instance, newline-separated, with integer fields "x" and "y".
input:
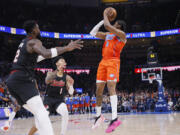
{"x": 34, "y": 41}
{"x": 67, "y": 76}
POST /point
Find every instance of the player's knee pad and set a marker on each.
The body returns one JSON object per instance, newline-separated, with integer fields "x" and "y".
{"x": 62, "y": 110}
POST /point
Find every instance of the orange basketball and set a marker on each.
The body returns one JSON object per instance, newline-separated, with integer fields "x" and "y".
{"x": 111, "y": 13}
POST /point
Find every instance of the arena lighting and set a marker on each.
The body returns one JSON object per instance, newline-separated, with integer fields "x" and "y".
{"x": 168, "y": 68}
{"x": 57, "y": 35}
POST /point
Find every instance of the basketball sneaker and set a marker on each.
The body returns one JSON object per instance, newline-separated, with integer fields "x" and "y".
{"x": 6, "y": 127}
{"x": 113, "y": 125}
{"x": 98, "y": 121}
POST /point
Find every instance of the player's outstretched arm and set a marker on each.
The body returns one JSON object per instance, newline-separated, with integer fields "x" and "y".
{"x": 37, "y": 47}
{"x": 70, "y": 83}
{"x": 96, "y": 33}
{"x": 113, "y": 29}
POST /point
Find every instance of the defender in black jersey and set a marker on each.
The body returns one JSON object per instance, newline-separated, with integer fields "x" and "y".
{"x": 21, "y": 82}
{"x": 59, "y": 85}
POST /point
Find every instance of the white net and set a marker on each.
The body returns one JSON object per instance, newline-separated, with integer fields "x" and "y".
{"x": 151, "y": 78}
{"x": 150, "y": 81}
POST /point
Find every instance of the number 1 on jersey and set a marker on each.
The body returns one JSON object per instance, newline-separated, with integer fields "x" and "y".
{"x": 61, "y": 91}
{"x": 107, "y": 44}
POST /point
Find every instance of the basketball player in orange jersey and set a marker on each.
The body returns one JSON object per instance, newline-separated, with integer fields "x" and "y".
{"x": 108, "y": 70}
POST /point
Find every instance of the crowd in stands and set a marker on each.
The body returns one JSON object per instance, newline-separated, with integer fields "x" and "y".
{"x": 137, "y": 101}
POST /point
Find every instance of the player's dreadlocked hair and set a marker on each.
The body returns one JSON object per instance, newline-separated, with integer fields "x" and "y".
{"x": 29, "y": 25}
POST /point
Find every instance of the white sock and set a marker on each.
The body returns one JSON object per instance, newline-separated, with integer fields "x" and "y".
{"x": 98, "y": 111}
{"x": 63, "y": 111}
{"x": 113, "y": 100}
{"x": 12, "y": 115}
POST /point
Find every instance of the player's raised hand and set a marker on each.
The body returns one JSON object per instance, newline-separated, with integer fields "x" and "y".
{"x": 77, "y": 44}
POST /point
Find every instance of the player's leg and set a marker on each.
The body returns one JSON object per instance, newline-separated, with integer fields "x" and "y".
{"x": 36, "y": 106}
{"x": 13, "y": 114}
{"x": 93, "y": 108}
{"x": 99, "y": 94}
{"x": 63, "y": 111}
{"x": 35, "y": 127}
{"x": 89, "y": 108}
{"x": 15, "y": 107}
{"x": 80, "y": 108}
{"x": 25, "y": 92}
{"x": 85, "y": 108}
{"x": 100, "y": 84}
{"x": 113, "y": 97}
{"x": 8, "y": 123}
{"x": 112, "y": 78}
{"x": 33, "y": 130}
{"x": 33, "y": 103}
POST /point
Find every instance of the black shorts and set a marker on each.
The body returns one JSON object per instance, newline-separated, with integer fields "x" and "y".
{"x": 51, "y": 103}
{"x": 21, "y": 86}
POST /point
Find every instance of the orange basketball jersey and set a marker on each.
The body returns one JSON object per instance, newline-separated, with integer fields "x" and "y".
{"x": 112, "y": 47}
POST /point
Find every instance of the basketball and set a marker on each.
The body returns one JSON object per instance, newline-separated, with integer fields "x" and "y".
{"x": 111, "y": 13}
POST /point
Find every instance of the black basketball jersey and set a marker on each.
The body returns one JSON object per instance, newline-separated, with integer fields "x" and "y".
{"x": 24, "y": 60}
{"x": 57, "y": 89}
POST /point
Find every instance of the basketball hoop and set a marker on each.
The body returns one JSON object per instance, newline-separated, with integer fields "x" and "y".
{"x": 150, "y": 74}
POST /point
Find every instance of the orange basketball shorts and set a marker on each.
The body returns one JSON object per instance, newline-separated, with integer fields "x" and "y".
{"x": 108, "y": 70}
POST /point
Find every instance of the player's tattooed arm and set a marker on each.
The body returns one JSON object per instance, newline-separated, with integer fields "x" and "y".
{"x": 70, "y": 83}
{"x": 101, "y": 35}
{"x": 50, "y": 77}
{"x": 121, "y": 34}
{"x": 36, "y": 46}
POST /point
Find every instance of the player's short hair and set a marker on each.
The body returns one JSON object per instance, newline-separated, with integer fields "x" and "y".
{"x": 58, "y": 58}
{"x": 55, "y": 60}
{"x": 29, "y": 25}
{"x": 123, "y": 24}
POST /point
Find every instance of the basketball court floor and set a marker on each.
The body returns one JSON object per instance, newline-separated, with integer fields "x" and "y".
{"x": 139, "y": 124}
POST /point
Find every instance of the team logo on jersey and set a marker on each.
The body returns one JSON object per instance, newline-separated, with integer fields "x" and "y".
{"x": 111, "y": 75}
{"x": 110, "y": 37}
{"x": 115, "y": 79}
{"x": 60, "y": 83}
